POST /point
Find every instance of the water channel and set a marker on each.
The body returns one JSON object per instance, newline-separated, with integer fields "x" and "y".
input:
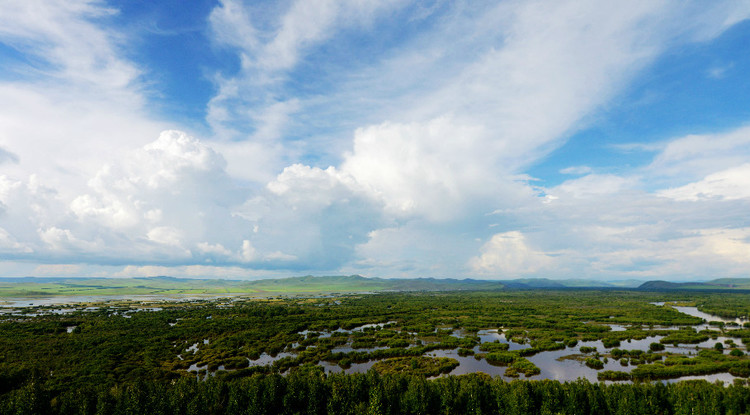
{"x": 563, "y": 365}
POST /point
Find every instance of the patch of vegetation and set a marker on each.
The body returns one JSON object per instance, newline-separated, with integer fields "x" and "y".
{"x": 423, "y": 366}
{"x": 97, "y": 351}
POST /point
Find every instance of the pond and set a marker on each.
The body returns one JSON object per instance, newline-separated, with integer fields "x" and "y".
{"x": 563, "y": 365}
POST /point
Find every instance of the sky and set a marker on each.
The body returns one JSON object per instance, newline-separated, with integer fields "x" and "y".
{"x": 603, "y": 140}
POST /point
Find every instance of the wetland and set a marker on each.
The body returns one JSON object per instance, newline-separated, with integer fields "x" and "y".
{"x": 612, "y": 337}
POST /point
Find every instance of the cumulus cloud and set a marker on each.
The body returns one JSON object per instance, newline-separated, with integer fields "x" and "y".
{"x": 312, "y": 217}
{"x": 706, "y": 253}
{"x": 63, "y": 240}
{"x": 442, "y": 126}
{"x": 8, "y": 243}
{"x": 425, "y": 169}
{"x": 73, "y": 101}
{"x": 507, "y": 254}
{"x": 213, "y": 249}
{"x": 172, "y": 202}
{"x": 155, "y": 184}
{"x": 632, "y": 233}
{"x": 417, "y": 248}
{"x": 29, "y": 210}
{"x": 403, "y": 159}
{"x": 158, "y": 203}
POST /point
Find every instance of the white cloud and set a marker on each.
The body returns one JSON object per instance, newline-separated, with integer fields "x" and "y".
{"x": 280, "y": 256}
{"x": 160, "y": 203}
{"x": 171, "y": 201}
{"x": 9, "y": 244}
{"x": 303, "y": 25}
{"x": 249, "y": 114}
{"x": 635, "y": 234}
{"x": 458, "y": 118}
{"x": 232, "y": 26}
{"x": 705, "y": 254}
{"x": 719, "y": 72}
{"x": 732, "y": 183}
{"x": 158, "y": 184}
{"x": 594, "y": 185}
{"x": 28, "y": 210}
{"x": 415, "y": 249}
{"x": 507, "y": 255}
{"x": 696, "y": 156}
{"x": 57, "y": 269}
{"x": 213, "y": 249}
{"x": 66, "y": 35}
{"x": 191, "y": 271}
{"x": 74, "y": 101}
{"x": 576, "y": 170}
{"x": 165, "y": 235}
{"x": 63, "y": 134}
{"x": 249, "y": 253}
{"x": 425, "y": 169}
{"x": 312, "y": 218}
{"x": 422, "y": 140}
{"x": 63, "y": 241}
{"x": 733, "y": 244}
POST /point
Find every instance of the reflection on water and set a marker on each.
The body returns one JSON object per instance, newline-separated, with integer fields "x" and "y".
{"x": 329, "y": 367}
{"x": 267, "y": 359}
{"x": 489, "y": 336}
{"x": 373, "y": 326}
{"x": 469, "y": 364}
{"x": 193, "y": 348}
{"x": 553, "y": 366}
{"x": 325, "y": 334}
{"x": 693, "y": 311}
{"x": 563, "y": 365}
{"x": 617, "y": 327}
{"x": 724, "y": 377}
{"x": 202, "y": 372}
{"x": 349, "y": 348}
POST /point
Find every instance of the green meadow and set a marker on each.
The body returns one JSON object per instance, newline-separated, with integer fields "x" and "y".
{"x": 53, "y": 287}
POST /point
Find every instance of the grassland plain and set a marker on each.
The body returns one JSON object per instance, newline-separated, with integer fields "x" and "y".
{"x": 30, "y": 287}
{"x": 51, "y": 287}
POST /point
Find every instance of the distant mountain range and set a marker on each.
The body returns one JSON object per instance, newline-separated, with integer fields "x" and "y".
{"x": 165, "y": 285}
{"x": 528, "y": 283}
{"x": 717, "y": 284}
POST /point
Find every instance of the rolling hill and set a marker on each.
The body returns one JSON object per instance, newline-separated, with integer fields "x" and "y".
{"x": 717, "y": 284}
{"x": 166, "y": 285}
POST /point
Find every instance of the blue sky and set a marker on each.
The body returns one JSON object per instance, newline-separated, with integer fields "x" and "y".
{"x": 391, "y": 138}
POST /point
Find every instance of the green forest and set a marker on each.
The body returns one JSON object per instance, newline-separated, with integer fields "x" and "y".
{"x": 204, "y": 356}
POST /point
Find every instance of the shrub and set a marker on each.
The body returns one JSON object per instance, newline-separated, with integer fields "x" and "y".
{"x": 656, "y": 347}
